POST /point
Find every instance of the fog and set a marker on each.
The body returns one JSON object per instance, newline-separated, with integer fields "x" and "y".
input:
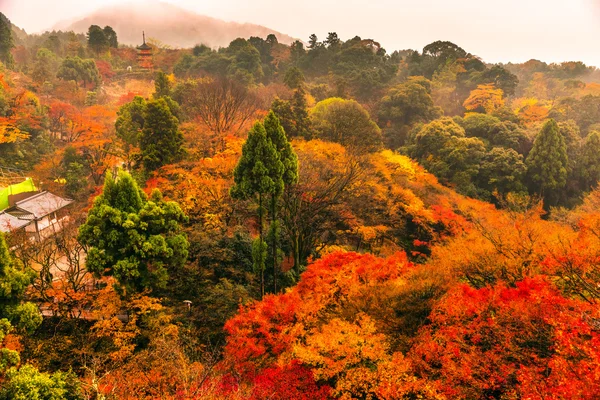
{"x": 511, "y": 30}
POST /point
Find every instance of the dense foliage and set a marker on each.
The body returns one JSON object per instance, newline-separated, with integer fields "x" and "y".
{"x": 320, "y": 221}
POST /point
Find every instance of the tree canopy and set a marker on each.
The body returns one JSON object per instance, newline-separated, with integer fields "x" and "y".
{"x": 132, "y": 237}
{"x": 346, "y": 122}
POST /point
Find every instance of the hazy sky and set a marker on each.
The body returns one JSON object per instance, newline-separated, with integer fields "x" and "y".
{"x": 500, "y": 30}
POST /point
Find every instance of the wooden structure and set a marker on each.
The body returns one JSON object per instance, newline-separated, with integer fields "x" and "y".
{"x": 39, "y": 215}
{"x": 144, "y": 56}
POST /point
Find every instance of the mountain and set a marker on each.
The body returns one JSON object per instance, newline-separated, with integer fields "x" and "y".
{"x": 169, "y": 24}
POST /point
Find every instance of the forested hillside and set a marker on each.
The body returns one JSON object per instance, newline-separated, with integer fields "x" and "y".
{"x": 320, "y": 220}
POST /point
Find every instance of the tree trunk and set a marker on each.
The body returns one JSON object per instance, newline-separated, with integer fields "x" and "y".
{"x": 297, "y": 253}
{"x": 260, "y": 232}
{"x": 274, "y": 244}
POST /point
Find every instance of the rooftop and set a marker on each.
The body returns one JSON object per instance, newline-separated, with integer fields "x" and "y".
{"x": 40, "y": 205}
{"x": 144, "y": 46}
{"x": 10, "y": 223}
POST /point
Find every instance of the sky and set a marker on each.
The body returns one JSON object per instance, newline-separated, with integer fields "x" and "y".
{"x": 496, "y": 31}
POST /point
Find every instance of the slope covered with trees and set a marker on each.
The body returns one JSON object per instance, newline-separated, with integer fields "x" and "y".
{"x": 320, "y": 221}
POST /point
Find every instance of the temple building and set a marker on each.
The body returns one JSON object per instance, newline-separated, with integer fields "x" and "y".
{"x": 25, "y": 210}
{"x": 144, "y": 56}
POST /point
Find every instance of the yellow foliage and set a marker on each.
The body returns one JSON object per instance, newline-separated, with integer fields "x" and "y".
{"x": 400, "y": 163}
{"x": 9, "y": 133}
{"x": 486, "y": 97}
{"x": 343, "y": 351}
{"x": 530, "y": 110}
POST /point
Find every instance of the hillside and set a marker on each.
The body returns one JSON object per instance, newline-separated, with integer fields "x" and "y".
{"x": 170, "y": 24}
{"x": 267, "y": 221}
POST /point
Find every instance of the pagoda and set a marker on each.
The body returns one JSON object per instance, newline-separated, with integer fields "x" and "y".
{"x": 144, "y": 56}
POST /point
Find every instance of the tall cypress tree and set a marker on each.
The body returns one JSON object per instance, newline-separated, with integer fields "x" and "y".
{"x": 258, "y": 175}
{"x": 6, "y": 41}
{"x": 547, "y": 163}
{"x": 288, "y": 158}
{"x": 300, "y": 111}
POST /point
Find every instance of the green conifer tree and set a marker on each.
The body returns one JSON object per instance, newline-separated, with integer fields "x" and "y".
{"x": 589, "y": 162}
{"x": 97, "y": 40}
{"x": 258, "y": 174}
{"x": 288, "y": 158}
{"x": 300, "y": 112}
{"x": 111, "y": 37}
{"x": 162, "y": 86}
{"x": 547, "y": 164}
{"x": 161, "y": 140}
{"x": 6, "y": 41}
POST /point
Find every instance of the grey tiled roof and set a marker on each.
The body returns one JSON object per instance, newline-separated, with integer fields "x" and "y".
{"x": 9, "y": 223}
{"x": 42, "y": 204}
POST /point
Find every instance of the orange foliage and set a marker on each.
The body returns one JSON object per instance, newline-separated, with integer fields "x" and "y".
{"x": 71, "y": 124}
{"x": 530, "y": 110}
{"x": 9, "y": 133}
{"x": 105, "y": 69}
{"x": 486, "y": 98}
{"x": 307, "y": 325}
{"x": 506, "y": 342}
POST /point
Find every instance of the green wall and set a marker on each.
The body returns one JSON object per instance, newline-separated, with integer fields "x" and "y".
{"x": 25, "y": 186}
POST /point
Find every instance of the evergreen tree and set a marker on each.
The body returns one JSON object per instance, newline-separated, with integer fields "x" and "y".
{"x": 283, "y": 111}
{"x": 45, "y": 66}
{"x": 300, "y": 113}
{"x": 313, "y": 41}
{"x": 6, "y": 41}
{"x": 97, "y": 40}
{"x": 276, "y": 134}
{"x": 133, "y": 238}
{"x": 79, "y": 70}
{"x": 297, "y": 52}
{"x": 111, "y": 37}
{"x": 294, "y": 78}
{"x": 293, "y": 114}
{"x": 547, "y": 163}
{"x": 288, "y": 158}
{"x": 271, "y": 39}
{"x": 333, "y": 41}
{"x": 258, "y": 174}
{"x": 14, "y": 280}
{"x": 54, "y": 44}
{"x": 589, "y": 162}
{"x": 129, "y": 125}
{"x": 161, "y": 141}
{"x": 162, "y": 86}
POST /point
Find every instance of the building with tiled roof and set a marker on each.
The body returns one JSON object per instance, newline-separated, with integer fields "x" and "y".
{"x": 39, "y": 215}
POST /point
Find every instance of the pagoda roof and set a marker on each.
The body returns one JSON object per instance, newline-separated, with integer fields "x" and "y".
{"x": 144, "y": 46}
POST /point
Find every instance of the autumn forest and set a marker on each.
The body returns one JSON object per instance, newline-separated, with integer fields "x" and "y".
{"x": 318, "y": 219}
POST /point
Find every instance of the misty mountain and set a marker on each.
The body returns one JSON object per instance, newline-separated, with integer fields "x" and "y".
{"x": 169, "y": 24}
